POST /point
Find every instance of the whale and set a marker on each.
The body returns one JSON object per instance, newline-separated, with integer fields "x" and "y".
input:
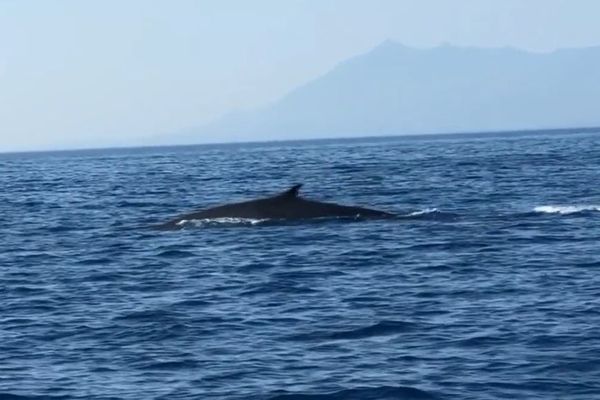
{"x": 287, "y": 205}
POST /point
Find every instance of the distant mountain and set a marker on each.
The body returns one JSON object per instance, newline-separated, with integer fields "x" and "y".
{"x": 395, "y": 90}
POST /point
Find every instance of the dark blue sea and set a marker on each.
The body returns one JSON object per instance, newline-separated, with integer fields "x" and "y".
{"x": 487, "y": 285}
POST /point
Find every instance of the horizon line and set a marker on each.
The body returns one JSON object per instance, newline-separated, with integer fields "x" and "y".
{"x": 413, "y": 136}
{"x": 443, "y": 44}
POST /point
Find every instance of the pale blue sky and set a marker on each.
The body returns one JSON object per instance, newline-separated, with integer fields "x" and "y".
{"x": 113, "y": 72}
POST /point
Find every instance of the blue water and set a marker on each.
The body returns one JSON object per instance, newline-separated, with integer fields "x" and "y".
{"x": 486, "y": 287}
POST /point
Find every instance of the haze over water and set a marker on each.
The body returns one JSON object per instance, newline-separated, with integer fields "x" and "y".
{"x": 112, "y": 73}
{"x": 485, "y": 288}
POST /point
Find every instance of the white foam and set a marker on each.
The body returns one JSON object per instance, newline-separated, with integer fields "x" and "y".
{"x": 423, "y": 212}
{"x": 555, "y": 209}
{"x": 226, "y": 221}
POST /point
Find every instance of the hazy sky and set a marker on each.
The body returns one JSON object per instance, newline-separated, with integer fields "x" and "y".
{"x": 96, "y": 73}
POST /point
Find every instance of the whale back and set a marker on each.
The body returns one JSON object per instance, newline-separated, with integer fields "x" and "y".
{"x": 285, "y": 205}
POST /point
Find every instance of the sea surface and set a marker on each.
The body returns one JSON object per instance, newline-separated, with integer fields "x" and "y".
{"x": 487, "y": 285}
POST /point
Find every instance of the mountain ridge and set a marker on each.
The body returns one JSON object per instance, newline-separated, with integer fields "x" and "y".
{"x": 398, "y": 90}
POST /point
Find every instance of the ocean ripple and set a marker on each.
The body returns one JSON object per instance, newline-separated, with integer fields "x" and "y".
{"x": 485, "y": 286}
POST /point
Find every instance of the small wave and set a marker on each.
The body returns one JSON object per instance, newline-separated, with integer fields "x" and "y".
{"x": 60, "y": 228}
{"x": 423, "y": 212}
{"x": 95, "y": 261}
{"x": 555, "y": 209}
{"x": 383, "y": 328}
{"x": 10, "y": 396}
{"x": 362, "y": 393}
{"x": 427, "y": 213}
{"x": 146, "y": 316}
{"x": 170, "y": 365}
{"x": 430, "y": 214}
{"x": 175, "y": 254}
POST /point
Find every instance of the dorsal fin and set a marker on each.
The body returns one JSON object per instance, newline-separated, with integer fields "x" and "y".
{"x": 291, "y": 192}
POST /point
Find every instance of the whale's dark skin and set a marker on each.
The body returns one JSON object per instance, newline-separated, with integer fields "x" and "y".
{"x": 288, "y": 205}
